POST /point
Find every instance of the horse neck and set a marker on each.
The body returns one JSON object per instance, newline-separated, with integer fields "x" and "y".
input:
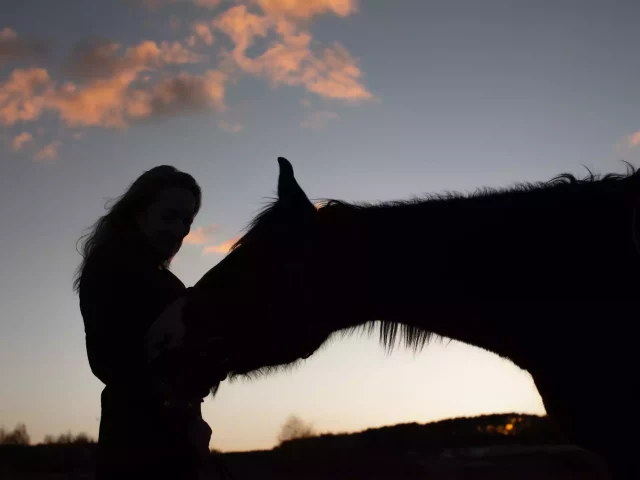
{"x": 464, "y": 268}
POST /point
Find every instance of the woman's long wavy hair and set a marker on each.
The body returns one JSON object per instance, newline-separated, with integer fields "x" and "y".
{"x": 120, "y": 219}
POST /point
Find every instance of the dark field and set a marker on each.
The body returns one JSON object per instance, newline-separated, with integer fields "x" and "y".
{"x": 511, "y": 462}
{"x": 509, "y": 446}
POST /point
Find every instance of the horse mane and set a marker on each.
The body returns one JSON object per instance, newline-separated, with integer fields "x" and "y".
{"x": 263, "y": 219}
{"x": 563, "y": 183}
{"x": 415, "y": 337}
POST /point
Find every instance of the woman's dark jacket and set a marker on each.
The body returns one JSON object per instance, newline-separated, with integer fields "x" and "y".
{"x": 122, "y": 291}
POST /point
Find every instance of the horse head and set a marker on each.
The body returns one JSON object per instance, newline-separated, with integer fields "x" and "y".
{"x": 264, "y": 297}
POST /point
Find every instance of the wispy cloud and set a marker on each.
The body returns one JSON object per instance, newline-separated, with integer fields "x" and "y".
{"x": 48, "y": 152}
{"x": 200, "y": 235}
{"x": 305, "y": 9}
{"x": 22, "y": 95}
{"x": 233, "y": 127}
{"x": 13, "y": 47}
{"x": 290, "y": 60}
{"x": 203, "y": 32}
{"x": 108, "y": 84}
{"x": 634, "y": 139}
{"x": 92, "y": 59}
{"x": 21, "y": 140}
{"x": 220, "y": 249}
{"x": 106, "y": 95}
{"x": 318, "y": 120}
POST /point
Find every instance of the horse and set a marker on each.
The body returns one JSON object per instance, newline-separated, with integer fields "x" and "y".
{"x": 543, "y": 274}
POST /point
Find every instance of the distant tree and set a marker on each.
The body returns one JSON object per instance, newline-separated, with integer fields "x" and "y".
{"x": 83, "y": 438}
{"x": 19, "y": 436}
{"x": 293, "y": 428}
{"x": 68, "y": 438}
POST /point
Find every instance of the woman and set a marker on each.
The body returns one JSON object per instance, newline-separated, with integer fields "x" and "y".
{"x": 125, "y": 287}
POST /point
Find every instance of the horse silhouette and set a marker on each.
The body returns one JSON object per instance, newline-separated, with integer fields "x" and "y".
{"x": 543, "y": 274}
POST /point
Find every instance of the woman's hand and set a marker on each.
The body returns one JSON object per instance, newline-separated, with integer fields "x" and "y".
{"x": 166, "y": 332}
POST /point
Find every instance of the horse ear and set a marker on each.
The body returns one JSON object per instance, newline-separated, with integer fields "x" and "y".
{"x": 288, "y": 188}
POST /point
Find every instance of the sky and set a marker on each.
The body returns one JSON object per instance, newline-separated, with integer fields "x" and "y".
{"x": 369, "y": 99}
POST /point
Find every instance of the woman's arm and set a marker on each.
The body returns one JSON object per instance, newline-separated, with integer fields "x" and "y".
{"x": 118, "y": 307}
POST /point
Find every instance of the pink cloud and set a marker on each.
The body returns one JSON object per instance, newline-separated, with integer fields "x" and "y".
{"x": 203, "y": 32}
{"x": 112, "y": 103}
{"x": 22, "y": 95}
{"x": 21, "y": 140}
{"x": 107, "y": 95}
{"x": 305, "y": 9}
{"x": 634, "y": 139}
{"x": 200, "y": 235}
{"x": 103, "y": 102}
{"x": 220, "y": 249}
{"x": 104, "y": 59}
{"x": 48, "y": 152}
{"x": 318, "y": 120}
{"x": 290, "y": 60}
{"x": 12, "y": 47}
{"x": 241, "y": 27}
{"x": 336, "y": 76}
{"x": 110, "y": 85}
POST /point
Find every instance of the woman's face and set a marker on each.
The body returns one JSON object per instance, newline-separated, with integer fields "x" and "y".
{"x": 167, "y": 220}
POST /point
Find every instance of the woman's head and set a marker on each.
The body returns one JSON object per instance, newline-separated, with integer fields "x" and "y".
{"x": 158, "y": 208}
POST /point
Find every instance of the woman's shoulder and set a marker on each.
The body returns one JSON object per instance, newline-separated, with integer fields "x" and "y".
{"x": 103, "y": 265}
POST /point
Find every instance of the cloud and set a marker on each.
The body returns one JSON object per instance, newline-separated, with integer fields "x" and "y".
{"x": 21, "y": 140}
{"x": 318, "y": 120}
{"x": 305, "y": 9}
{"x": 187, "y": 92}
{"x": 103, "y": 102}
{"x": 336, "y": 76}
{"x": 241, "y": 27}
{"x": 220, "y": 249}
{"x": 634, "y": 139}
{"x": 305, "y": 102}
{"x": 203, "y": 32}
{"x": 107, "y": 94}
{"x": 200, "y": 235}
{"x": 8, "y": 34}
{"x": 175, "y": 23}
{"x": 111, "y": 85}
{"x": 289, "y": 60}
{"x": 48, "y": 152}
{"x": 233, "y": 127}
{"x": 13, "y": 48}
{"x": 22, "y": 95}
{"x": 95, "y": 58}
{"x": 111, "y": 103}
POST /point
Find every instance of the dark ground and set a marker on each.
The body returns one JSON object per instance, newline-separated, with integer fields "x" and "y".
{"x": 509, "y": 446}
